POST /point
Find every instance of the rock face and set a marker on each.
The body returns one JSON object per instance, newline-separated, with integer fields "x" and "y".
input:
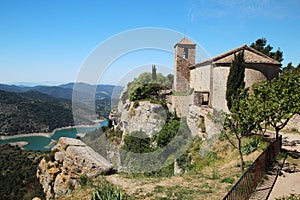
{"x": 146, "y": 116}
{"x": 294, "y": 123}
{"x": 69, "y": 160}
{"x": 200, "y": 123}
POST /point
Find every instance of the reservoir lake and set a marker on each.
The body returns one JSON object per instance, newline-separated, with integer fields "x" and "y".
{"x": 40, "y": 142}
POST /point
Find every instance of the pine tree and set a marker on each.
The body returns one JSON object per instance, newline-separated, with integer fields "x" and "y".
{"x": 235, "y": 79}
{"x": 154, "y": 75}
{"x": 261, "y": 45}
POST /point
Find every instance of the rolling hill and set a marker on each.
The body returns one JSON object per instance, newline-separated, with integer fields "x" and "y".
{"x": 32, "y": 112}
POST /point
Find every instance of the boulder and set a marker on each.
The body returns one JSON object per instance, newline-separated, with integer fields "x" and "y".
{"x": 72, "y": 159}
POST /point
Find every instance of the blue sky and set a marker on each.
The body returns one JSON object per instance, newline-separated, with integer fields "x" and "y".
{"x": 48, "y": 41}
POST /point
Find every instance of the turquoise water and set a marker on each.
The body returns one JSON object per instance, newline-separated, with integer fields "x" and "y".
{"x": 39, "y": 142}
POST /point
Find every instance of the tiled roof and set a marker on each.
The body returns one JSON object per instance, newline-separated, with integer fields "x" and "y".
{"x": 250, "y": 55}
{"x": 185, "y": 40}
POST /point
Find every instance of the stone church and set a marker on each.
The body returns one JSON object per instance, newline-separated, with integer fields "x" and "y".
{"x": 205, "y": 82}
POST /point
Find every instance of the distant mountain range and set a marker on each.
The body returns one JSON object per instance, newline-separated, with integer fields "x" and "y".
{"x": 25, "y": 109}
{"x": 65, "y": 91}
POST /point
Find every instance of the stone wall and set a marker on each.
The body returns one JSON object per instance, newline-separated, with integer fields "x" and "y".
{"x": 182, "y": 74}
{"x": 201, "y": 98}
{"x": 181, "y": 104}
{"x": 200, "y": 78}
{"x": 218, "y": 94}
{"x": 179, "y": 50}
{"x": 254, "y": 73}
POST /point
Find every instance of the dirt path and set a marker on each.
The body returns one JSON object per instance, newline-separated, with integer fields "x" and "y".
{"x": 288, "y": 183}
{"x": 285, "y": 185}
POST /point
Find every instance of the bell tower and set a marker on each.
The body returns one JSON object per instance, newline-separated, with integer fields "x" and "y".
{"x": 184, "y": 59}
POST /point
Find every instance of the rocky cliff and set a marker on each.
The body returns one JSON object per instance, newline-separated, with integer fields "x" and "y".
{"x": 71, "y": 159}
{"x": 140, "y": 116}
{"x": 200, "y": 122}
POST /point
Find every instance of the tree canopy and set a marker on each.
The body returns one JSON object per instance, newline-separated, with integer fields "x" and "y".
{"x": 280, "y": 99}
{"x": 291, "y": 69}
{"x": 261, "y": 45}
{"x": 137, "y": 88}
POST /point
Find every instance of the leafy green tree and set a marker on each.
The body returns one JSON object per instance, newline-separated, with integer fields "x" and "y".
{"x": 171, "y": 79}
{"x": 147, "y": 91}
{"x": 290, "y": 68}
{"x": 280, "y": 99}
{"x": 244, "y": 117}
{"x": 161, "y": 79}
{"x": 261, "y": 45}
{"x": 144, "y": 79}
{"x": 235, "y": 79}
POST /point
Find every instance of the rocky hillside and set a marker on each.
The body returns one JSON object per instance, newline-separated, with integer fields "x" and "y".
{"x": 32, "y": 112}
{"x": 68, "y": 163}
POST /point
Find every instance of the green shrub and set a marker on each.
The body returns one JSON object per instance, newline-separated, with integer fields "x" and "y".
{"x": 167, "y": 133}
{"x": 83, "y": 179}
{"x": 115, "y": 136}
{"x": 227, "y": 180}
{"x": 136, "y": 104}
{"x": 137, "y": 142}
{"x": 294, "y": 129}
{"x": 184, "y": 162}
{"x": 215, "y": 175}
{"x": 252, "y": 145}
{"x": 201, "y": 124}
{"x": 106, "y": 191}
{"x": 146, "y": 91}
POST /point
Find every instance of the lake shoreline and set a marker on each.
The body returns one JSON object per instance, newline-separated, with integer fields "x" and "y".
{"x": 48, "y": 135}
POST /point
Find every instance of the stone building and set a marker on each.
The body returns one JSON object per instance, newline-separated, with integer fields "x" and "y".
{"x": 208, "y": 78}
{"x": 184, "y": 60}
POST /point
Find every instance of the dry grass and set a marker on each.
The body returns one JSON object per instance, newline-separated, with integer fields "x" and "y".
{"x": 207, "y": 179}
{"x": 203, "y": 183}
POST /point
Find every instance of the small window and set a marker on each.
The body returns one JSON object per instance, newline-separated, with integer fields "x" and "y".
{"x": 186, "y": 53}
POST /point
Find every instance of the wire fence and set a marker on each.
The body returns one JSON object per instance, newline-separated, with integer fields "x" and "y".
{"x": 253, "y": 175}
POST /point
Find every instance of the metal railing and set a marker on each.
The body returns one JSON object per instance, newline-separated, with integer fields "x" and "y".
{"x": 247, "y": 184}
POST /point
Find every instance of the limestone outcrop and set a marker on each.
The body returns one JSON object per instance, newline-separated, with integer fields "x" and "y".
{"x": 60, "y": 172}
{"x": 200, "y": 122}
{"x": 142, "y": 116}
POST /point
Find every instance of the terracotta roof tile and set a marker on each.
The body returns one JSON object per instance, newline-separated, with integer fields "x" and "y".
{"x": 250, "y": 55}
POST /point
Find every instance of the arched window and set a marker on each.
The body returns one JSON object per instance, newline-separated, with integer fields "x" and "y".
{"x": 186, "y": 53}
